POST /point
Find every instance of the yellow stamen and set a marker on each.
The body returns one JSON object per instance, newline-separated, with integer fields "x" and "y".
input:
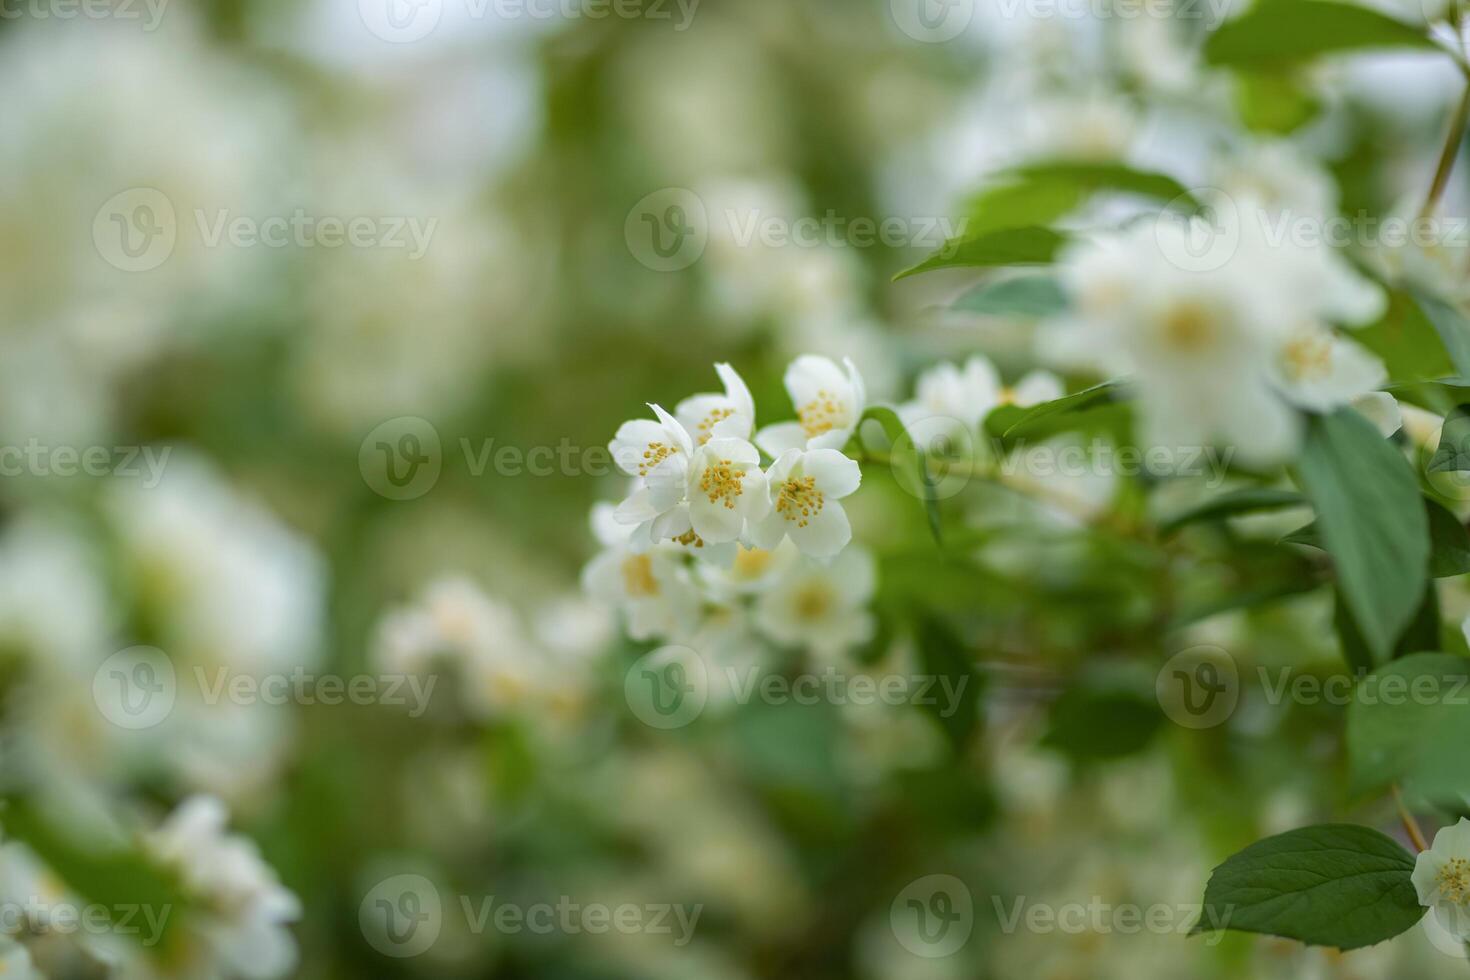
{"x": 723, "y": 481}
{"x": 799, "y": 500}
{"x": 656, "y": 453}
{"x": 638, "y": 578}
{"x": 1454, "y": 880}
{"x": 821, "y": 414}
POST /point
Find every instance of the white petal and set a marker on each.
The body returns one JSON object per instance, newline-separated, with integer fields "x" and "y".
{"x": 736, "y": 390}
{"x": 859, "y": 390}
{"x": 834, "y": 439}
{"x": 781, "y": 437}
{"x": 735, "y": 450}
{"x": 1382, "y": 409}
{"x": 855, "y": 575}
{"x": 674, "y": 428}
{"x": 713, "y": 521}
{"x": 826, "y": 532}
{"x": 637, "y": 508}
{"x": 809, "y": 375}
{"x": 768, "y": 531}
{"x": 1038, "y": 387}
{"x": 836, "y": 475}
{"x": 671, "y": 524}
{"x": 1262, "y": 428}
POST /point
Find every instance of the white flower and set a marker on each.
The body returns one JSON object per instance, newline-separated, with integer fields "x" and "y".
{"x": 971, "y": 393}
{"x": 829, "y": 404}
{"x": 805, "y": 487}
{"x": 652, "y": 587}
{"x": 243, "y": 908}
{"x": 15, "y": 962}
{"x": 726, "y": 489}
{"x": 731, "y": 415}
{"x": 821, "y": 606}
{"x": 1442, "y": 878}
{"x": 658, "y": 454}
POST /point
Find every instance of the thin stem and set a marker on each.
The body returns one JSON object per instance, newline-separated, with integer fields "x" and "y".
{"x": 1448, "y": 154}
{"x": 1410, "y": 824}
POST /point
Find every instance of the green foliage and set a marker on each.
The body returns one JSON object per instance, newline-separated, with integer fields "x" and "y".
{"x": 1331, "y": 885}
{"x": 1371, "y": 521}
{"x": 1409, "y": 724}
{"x": 1453, "y": 454}
{"x": 1245, "y": 501}
{"x": 911, "y": 467}
{"x": 1282, "y": 32}
{"x": 1021, "y": 296}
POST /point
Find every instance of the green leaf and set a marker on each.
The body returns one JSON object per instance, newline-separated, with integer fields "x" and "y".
{"x": 1033, "y": 418}
{"x": 1245, "y": 501}
{"x": 1409, "y": 723}
{"x": 1280, "y": 32}
{"x": 1407, "y": 342}
{"x": 955, "y": 703}
{"x": 1030, "y": 245}
{"x": 1040, "y": 193}
{"x": 910, "y": 468}
{"x": 1371, "y": 522}
{"x": 1449, "y": 542}
{"x": 1103, "y": 716}
{"x": 1453, "y": 454}
{"x": 1273, "y": 101}
{"x": 1450, "y": 324}
{"x": 1331, "y": 885}
{"x": 1027, "y": 296}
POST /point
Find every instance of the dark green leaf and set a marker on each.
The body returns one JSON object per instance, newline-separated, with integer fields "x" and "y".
{"x": 1407, "y": 342}
{"x": 1034, "y": 416}
{"x": 1280, "y": 32}
{"x": 1449, "y": 542}
{"x": 1246, "y": 501}
{"x": 1026, "y": 296}
{"x": 1371, "y": 521}
{"x": 1010, "y": 246}
{"x": 1273, "y": 102}
{"x": 1332, "y": 885}
{"x": 1409, "y": 723}
{"x": 1450, "y": 324}
{"x": 1453, "y": 454}
{"x": 1102, "y": 717}
{"x": 954, "y": 700}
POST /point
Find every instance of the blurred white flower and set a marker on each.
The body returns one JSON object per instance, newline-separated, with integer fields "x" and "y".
{"x": 1442, "y": 878}
{"x": 54, "y": 603}
{"x": 970, "y": 393}
{"x": 1209, "y": 348}
{"x": 226, "y": 581}
{"x": 829, "y": 404}
{"x": 821, "y": 607}
{"x": 454, "y": 624}
{"x": 652, "y": 588}
{"x": 805, "y": 487}
{"x": 243, "y": 910}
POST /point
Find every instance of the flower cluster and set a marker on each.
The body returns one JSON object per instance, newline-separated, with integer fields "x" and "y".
{"x": 759, "y": 510}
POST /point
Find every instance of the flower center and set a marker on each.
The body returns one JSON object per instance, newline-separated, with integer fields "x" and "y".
{"x": 1189, "y": 327}
{"x": 819, "y": 415}
{"x": 799, "y": 500}
{"x": 1454, "y": 880}
{"x": 1309, "y": 356}
{"x": 752, "y": 562}
{"x": 813, "y": 601}
{"x": 707, "y": 426}
{"x": 638, "y": 577}
{"x": 723, "y": 481}
{"x": 656, "y": 453}
{"x": 689, "y": 538}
